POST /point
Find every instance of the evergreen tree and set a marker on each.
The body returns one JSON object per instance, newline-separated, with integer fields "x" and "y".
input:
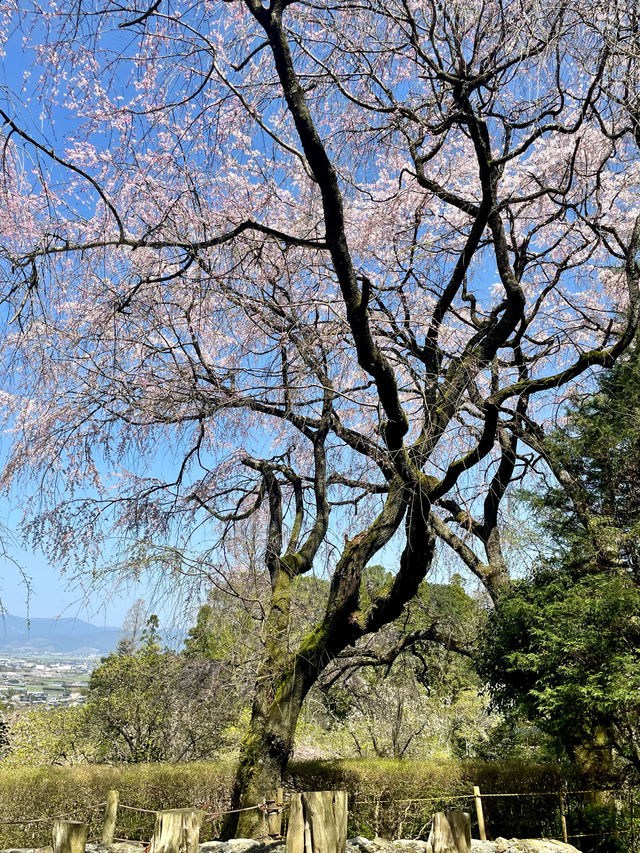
{"x": 564, "y": 644}
{"x": 593, "y": 518}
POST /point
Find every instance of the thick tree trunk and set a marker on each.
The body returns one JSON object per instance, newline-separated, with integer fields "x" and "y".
{"x": 282, "y": 682}
{"x": 285, "y": 677}
{"x": 594, "y": 757}
{"x": 264, "y": 753}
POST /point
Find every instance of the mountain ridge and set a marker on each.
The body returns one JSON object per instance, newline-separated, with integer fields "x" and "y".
{"x": 62, "y": 635}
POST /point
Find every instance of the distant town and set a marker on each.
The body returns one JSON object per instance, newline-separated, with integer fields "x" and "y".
{"x": 51, "y": 680}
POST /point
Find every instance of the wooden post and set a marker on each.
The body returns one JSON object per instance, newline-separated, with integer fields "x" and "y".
{"x": 110, "y": 813}
{"x": 177, "y": 831}
{"x": 450, "y": 832}
{"x": 69, "y": 836}
{"x": 460, "y": 823}
{"x": 274, "y": 813}
{"x": 563, "y": 816}
{"x": 480, "y": 813}
{"x": 318, "y": 822}
{"x": 295, "y": 829}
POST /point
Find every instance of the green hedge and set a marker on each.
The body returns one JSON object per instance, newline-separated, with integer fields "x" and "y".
{"x": 392, "y": 799}
{"x": 397, "y": 798}
{"x": 35, "y": 792}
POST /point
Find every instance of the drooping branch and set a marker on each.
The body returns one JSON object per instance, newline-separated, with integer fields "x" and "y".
{"x": 143, "y": 16}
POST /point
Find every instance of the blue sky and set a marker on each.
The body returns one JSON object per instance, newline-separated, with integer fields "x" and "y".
{"x": 49, "y": 595}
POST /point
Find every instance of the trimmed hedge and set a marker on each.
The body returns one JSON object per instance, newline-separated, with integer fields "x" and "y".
{"x": 396, "y": 799}
{"x": 388, "y": 798}
{"x": 34, "y": 792}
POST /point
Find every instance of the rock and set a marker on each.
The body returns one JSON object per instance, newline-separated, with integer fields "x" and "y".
{"x": 117, "y": 847}
{"x": 235, "y": 845}
{"x": 522, "y": 845}
{"x": 242, "y": 845}
{"x": 359, "y": 844}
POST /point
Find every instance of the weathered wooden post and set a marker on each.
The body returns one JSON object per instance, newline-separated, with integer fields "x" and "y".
{"x": 274, "y": 813}
{"x": 450, "y": 832}
{"x": 69, "y": 836}
{"x": 480, "y": 813}
{"x": 177, "y": 831}
{"x": 563, "y": 816}
{"x": 110, "y": 814}
{"x": 318, "y": 822}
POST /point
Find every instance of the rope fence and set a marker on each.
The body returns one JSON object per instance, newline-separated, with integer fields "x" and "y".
{"x": 261, "y": 806}
{"x": 273, "y": 811}
{"x": 50, "y": 818}
{"x": 137, "y": 809}
{"x": 577, "y": 814}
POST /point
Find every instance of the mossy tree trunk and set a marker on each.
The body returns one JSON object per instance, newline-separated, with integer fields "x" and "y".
{"x": 286, "y": 675}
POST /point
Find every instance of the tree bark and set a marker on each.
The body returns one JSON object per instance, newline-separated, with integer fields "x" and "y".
{"x": 110, "y": 815}
{"x": 69, "y": 836}
{"x": 285, "y": 678}
{"x": 264, "y": 752}
{"x": 317, "y": 822}
{"x": 282, "y": 682}
{"x": 450, "y": 832}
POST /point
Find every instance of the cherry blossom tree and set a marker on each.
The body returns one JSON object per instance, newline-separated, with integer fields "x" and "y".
{"x": 321, "y": 271}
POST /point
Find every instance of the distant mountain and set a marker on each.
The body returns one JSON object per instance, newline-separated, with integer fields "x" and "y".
{"x": 55, "y": 636}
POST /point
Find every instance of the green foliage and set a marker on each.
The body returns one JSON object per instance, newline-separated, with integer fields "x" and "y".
{"x": 421, "y": 701}
{"x": 425, "y": 702}
{"x": 566, "y": 652}
{"x": 51, "y": 736}
{"x": 34, "y": 792}
{"x": 151, "y": 705}
{"x": 564, "y": 645}
{"x": 223, "y": 625}
{"x": 130, "y": 704}
{"x": 379, "y": 794}
{"x": 203, "y": 639}
{"x": 599, "y": 448}
{"x": 396, "y": 799}
{"x": 389, "y": 713}
{"x": 155, "y": 705}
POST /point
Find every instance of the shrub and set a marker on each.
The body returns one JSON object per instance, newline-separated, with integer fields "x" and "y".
{"x": 34, "y": 792}
{"x": 397, "y": 798}
{"x": 388, "y": 798}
